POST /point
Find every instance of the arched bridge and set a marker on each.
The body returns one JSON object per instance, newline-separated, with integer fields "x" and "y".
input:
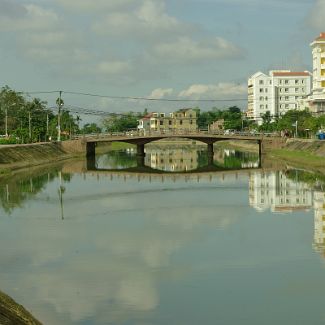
{"x": 140, "y": 140}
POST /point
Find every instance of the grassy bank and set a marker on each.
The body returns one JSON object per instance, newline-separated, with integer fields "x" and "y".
{"x": 13, "y": 313}
{"x": 299, "y": 159}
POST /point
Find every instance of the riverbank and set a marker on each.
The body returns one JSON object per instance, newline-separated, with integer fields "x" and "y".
{"x": 16, "y": 157}
{"x": 13, "y": 313}
{"x": 299, "y": 153}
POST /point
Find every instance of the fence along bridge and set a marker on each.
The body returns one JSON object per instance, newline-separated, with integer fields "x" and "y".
{"x": 141, "y": 140}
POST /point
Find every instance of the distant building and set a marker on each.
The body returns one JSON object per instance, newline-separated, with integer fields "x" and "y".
{"x": 217, "y": 125}
{"x": 278, "y": 92}
{"x": 181, "y": 120}
{"x": 317, "y": 99}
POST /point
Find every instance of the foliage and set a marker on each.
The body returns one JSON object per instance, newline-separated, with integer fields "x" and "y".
{"x": 122, "y": 122}
{"x": 232, "y": 117}
{"x": 90, "y": 128}
{"x": 25, "y": 120}
{"x": 307, "y": 125}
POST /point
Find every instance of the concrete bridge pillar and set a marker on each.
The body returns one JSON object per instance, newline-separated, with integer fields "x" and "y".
{"x": 91, "y": 163}
{"x": 140, "y": 155}
{"x": 210, "y": 153}
{"x": 90, "y": 149}
{"x": 260, "y": 152}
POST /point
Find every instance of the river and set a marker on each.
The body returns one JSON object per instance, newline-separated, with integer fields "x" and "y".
{"x": 169, "y": 243}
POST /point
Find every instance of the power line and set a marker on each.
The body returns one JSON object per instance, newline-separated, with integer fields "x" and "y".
{"x": 136, "y": 98}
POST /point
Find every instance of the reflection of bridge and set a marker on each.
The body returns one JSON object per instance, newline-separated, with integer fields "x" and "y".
{"x": 148, "y": 173}
{"x": 140, "y": 141}
{"x": 143, "y": 169}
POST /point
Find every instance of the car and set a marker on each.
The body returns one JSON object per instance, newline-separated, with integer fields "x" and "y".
{"x": 229, "y": 132}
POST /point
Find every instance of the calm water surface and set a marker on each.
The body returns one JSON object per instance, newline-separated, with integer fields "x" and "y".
{"x": 98, "y": 247}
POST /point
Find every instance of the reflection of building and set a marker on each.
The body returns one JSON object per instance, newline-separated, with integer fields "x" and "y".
{"x": 277, "y": 192}
{"x": 172, "y": 160}
{"x": 319, "y": 221}
{"x": 182, "y": 120}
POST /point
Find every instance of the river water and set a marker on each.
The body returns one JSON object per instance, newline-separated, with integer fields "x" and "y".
{"x": 162, "y": 245}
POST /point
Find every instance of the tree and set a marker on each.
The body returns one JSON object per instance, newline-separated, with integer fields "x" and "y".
{"x": 121, "y": 123}
{"x": 90, "y": 128}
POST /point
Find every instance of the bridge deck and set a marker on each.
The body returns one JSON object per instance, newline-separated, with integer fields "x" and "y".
{"x": 149, "y": 138}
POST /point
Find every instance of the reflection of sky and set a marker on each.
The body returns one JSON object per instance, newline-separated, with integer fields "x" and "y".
{"x": 159, "y": 253}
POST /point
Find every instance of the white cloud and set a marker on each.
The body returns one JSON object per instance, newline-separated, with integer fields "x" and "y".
{"x": 32, "y": 17}
{"x": 147, "y": 20}
{"x": 113, "y": 67}
{"x": 315, "y": 18}
{"x": 161, "y": 93}
{"x": 93, "y": 5}
{"x": 221, "y": 90}
{"x": 186, "y": 49}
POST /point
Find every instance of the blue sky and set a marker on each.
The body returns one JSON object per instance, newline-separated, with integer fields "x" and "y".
{"x": 184, "y": 49}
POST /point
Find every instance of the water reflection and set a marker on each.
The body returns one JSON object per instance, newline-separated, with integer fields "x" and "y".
{"x": 279, "y": 192}
{"x": 176, "y": 159}
{"x": 130, "y": 252}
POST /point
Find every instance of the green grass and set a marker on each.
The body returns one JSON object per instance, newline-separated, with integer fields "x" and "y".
{"x": 4, "y": 171}
{"x": 302, "y": 158}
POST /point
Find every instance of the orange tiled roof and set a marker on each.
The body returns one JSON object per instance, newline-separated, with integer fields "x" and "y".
{"x": 290, "y": 74}
{"x": 321, "y": 37}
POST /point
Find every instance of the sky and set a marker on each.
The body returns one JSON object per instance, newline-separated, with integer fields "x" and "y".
{"x": 161, "y": 49}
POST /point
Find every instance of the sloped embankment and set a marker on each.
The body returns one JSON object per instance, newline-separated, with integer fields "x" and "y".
{"x": 17, "y": 156}
{"x": 13, "y": 313}
{"x": 313, "y": 147}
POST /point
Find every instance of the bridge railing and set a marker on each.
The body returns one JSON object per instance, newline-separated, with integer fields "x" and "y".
{"x": 180, "y": 132}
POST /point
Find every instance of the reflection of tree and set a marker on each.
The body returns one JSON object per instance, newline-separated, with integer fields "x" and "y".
{"x": 301, "y": 176}
{"x": 17, "y": 190}
{"x": 236, "y": 159}
{"x": 119, "y": 159}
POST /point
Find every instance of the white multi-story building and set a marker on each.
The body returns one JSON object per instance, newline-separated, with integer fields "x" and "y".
{"x": 317, "y": 99}
{"x": 277, "y": 92}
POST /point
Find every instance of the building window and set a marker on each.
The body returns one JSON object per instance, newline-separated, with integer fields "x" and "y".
{"x": 286, "y": 90}
{"x": 191, "y": 122}
{"x": 261, "y": 106}
{"x": 261, "y": 90}
{"x": 261, "y": 82}
{"x": 170, "y": 122}
{"x": 261, "y": 98}
{"x": 286, "y": 97}
{"x": 286, "y": 82}
{"x": 296, "y": 90}
{"x": 161, "y": 122}
{"x": 181, "y": 122}
{"x": 266, "y": 90}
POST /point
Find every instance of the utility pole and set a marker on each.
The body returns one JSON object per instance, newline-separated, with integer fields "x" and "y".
{"x": 47, "y": 126}
{"x": 60, "y": 104}
{"x": 6, "y": 121}
{"x": 29, "y": 126}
